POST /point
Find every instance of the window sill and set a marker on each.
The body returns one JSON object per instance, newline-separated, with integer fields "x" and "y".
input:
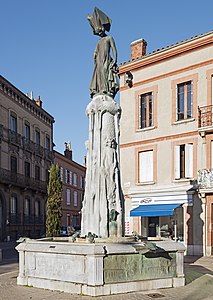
{"x": 145, "y": 183}
{"x": 183, "y": 121}
{"x": 181, "y": 180}
{"x": 146, "y": 129}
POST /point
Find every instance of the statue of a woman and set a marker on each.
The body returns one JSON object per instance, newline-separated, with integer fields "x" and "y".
{"x": 104, "y": 79}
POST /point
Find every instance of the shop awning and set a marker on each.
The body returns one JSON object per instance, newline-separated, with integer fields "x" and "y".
{"x": 154, "y": 210}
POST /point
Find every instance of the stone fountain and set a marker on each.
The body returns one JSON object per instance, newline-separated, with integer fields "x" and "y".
{"x": 101, "y": 261}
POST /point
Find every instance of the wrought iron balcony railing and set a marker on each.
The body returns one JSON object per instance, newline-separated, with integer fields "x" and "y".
{"x": 31, "y": 219}
{"x": 205, "y": 179}
{"x": 17, "y": 139}
{"x": 39, "y": 220}
{"x": 14, "y": 137}
{"x": 28, "y": 145}
{"x": 14, "y": 218}
{"x": 48, "y": 154}
{"x": 22, "y": 181}
{"x": 205, "y": 116}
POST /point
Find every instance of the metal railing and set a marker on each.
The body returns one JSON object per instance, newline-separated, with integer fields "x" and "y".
{"x": 17, "y": 139}
{"x": 205, "y": 179}
{"x": 205, "y": 116}
{"x": 22, "y": 181}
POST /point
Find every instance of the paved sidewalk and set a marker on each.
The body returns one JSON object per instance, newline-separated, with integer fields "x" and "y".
{"x": 200, "y": 287}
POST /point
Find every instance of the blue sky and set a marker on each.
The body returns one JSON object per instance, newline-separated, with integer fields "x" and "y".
{"x": 47, "y": 47}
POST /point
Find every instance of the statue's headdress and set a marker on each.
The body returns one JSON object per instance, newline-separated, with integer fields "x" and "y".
{"x": 99, "y": 21}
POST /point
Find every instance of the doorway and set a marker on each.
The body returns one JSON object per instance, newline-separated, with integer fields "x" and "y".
{"x": 153, "y": 226}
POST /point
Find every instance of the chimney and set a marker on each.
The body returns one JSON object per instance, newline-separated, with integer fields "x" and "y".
{"x": 68, "y": 151}
{"x": 138, "y": 49}
{"x": 39, "y": 102}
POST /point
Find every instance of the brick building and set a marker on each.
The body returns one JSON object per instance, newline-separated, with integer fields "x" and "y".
{"x": 26, "y": 139}
{"x": 166, "y": 98}
{"x": 73, "y": 180}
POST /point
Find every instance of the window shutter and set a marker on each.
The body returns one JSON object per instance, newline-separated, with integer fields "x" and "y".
{"x": 189, "y": 160}
{"x": 146, "y": 166}
{"x": 177, "y": 161}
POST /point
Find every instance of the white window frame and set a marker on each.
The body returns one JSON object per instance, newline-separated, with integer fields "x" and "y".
{"x": 146, "y": 166}
{"x": 189, "y": 148}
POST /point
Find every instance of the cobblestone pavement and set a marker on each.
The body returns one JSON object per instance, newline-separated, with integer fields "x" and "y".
{"x": 194, "y": 268}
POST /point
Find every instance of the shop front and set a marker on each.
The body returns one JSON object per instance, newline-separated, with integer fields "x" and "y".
{"x": 160, "y": 217}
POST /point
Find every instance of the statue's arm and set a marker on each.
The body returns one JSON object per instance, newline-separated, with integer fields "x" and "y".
{"x": 114, "y": 50}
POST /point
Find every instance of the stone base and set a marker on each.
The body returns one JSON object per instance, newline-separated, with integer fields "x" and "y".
{"x": 99, "y": 269}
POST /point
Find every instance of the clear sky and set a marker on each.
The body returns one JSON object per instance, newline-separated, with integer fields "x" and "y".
{"x": 47, "y": 47}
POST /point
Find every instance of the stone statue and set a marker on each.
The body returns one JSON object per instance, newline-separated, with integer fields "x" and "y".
{"x": 102, "y": 212}
{"x": 104, "y": 79}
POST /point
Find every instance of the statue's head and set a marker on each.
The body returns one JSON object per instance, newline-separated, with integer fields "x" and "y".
{"x": 99, "y": 22}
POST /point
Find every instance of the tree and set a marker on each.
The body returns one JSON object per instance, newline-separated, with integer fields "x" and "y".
{"x": 54, "y": 210}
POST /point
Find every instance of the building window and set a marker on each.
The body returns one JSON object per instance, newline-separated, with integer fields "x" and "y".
{"x": 37, "y": 137}
{"x": 68, "y": 219}
{"x": 13, "y": 164}
{"x": 37, "y": 173}
{"x": 61, "y": 173}
{"x": 146, "y": 116}
{"x": 183, "y": 161}
{"x": 81, "y": 182}
{"x": 68, "y": 197}
{"x": 27, "y": 169}
{"x": 184, "y": 101}
{"x": 146, "y": 173}
{"x": 37, "y": 208}
{"x": 70, "y": 178}
{"x": 75, "y": 202}
{"x": 74, "y": 220}
{"x": 13, "y": 204}
{"x": 13, "y": 122}
{"x": 75, "y": 179}
{"x": 27, "y": 132}
{"x": 47, "y": 142}
{"x": 27, "y": 207}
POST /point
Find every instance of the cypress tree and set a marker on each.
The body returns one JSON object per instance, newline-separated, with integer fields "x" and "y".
{"x": 54, "y": 210}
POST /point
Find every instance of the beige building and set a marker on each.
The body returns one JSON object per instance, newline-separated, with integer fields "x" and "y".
{"x": 73, "y": 179}
{"x": 166, "y": 141}
{"x": 25, "y": 156}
